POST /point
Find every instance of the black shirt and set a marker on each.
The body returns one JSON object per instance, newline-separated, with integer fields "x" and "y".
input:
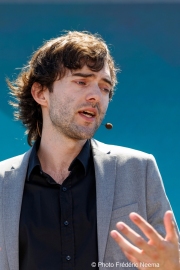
{"x": 58, "y": 223}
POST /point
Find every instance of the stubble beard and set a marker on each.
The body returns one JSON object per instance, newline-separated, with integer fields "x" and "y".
{"x": 63, "y": 121}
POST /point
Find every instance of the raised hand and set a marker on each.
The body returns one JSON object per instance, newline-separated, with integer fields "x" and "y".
{"x": 156, "y": 253}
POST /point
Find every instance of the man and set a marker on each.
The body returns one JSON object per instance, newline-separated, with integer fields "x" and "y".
{"x": 60, "y": 201}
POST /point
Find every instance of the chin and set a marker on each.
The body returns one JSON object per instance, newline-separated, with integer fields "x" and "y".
{"x": 83, "y": 135}
{"x": 80, "y": 132}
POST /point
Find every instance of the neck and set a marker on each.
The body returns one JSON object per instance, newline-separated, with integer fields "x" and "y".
{"x": 56, "y": 154}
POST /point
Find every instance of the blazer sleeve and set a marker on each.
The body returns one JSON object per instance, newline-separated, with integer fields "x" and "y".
{"x": 157, "y": 201}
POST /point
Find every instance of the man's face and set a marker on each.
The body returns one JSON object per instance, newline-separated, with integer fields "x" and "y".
{"x": 79, "y": 102}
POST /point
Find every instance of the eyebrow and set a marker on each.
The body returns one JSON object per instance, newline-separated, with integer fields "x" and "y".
{"x": 87, "y": 75}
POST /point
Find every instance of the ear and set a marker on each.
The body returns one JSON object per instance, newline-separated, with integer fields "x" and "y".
{"x": 38, "y": 93}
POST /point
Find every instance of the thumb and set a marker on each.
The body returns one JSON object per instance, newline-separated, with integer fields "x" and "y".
{"x": 171, "y": 233}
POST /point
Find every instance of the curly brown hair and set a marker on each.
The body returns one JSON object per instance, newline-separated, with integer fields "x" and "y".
{"x": 49, "y": 63}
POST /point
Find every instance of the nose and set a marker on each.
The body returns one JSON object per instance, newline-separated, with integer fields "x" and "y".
{"x": 93, "y": 93}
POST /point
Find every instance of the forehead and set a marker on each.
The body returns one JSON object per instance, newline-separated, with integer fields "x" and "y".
{"x": 103, "y": 73}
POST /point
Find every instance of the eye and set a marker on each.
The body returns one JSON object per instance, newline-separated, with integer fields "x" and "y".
{"x": 106, "y": 90}
{"x": 81, "y": 82}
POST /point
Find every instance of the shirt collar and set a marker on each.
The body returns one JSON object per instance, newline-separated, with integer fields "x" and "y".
{"x": 83, "y": 157}
{"x": 33, "y": 159}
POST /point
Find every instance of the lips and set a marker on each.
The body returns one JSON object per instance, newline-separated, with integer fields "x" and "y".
{"x": 88, "y": 113}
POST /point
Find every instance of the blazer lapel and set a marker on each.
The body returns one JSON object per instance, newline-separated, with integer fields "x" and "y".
{"x": 105, "y": 172}
{"x": 12, "y": 198}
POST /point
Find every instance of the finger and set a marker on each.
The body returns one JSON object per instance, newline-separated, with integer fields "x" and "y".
{"x": 136, "y": 239}
{"x": 127, "y": 247}
{"x": 132, "y": 259}
{"x": 146, "y": 228}
{"x": 171, "y": 233}
{"x": 135, "y": 262}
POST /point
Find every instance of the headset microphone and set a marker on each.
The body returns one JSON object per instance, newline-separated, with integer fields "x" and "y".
{"x": 108, "y": 125}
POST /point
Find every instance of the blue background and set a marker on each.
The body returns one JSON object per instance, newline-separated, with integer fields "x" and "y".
{"x": 145, "y": 42}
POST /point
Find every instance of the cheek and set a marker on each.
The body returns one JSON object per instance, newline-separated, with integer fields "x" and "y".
{"x": 63, "y": 100}
{"x": 105, "y": 104}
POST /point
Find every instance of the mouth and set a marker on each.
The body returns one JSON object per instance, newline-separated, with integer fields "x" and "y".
{"x": 88, "y": 114}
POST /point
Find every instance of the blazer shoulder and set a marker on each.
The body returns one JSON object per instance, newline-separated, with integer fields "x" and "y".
{"x": 125, "y": 151}
{"x": 120, "y": 151}
{"x": 13, "y": 162}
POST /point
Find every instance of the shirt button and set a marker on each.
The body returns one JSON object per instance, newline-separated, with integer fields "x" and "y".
{"x": 68, "y": 258}
{"x": 66, "y": 223}
{"x": 64, "y": 188}
{"x": 40, "y": 172}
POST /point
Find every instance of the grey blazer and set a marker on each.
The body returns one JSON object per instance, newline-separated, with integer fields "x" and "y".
{"x": 126, "y": 180}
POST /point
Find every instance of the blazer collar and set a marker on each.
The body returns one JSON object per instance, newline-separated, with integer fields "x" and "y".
{"x": 105, "y": 172}
{"x": 13, "y": 185}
